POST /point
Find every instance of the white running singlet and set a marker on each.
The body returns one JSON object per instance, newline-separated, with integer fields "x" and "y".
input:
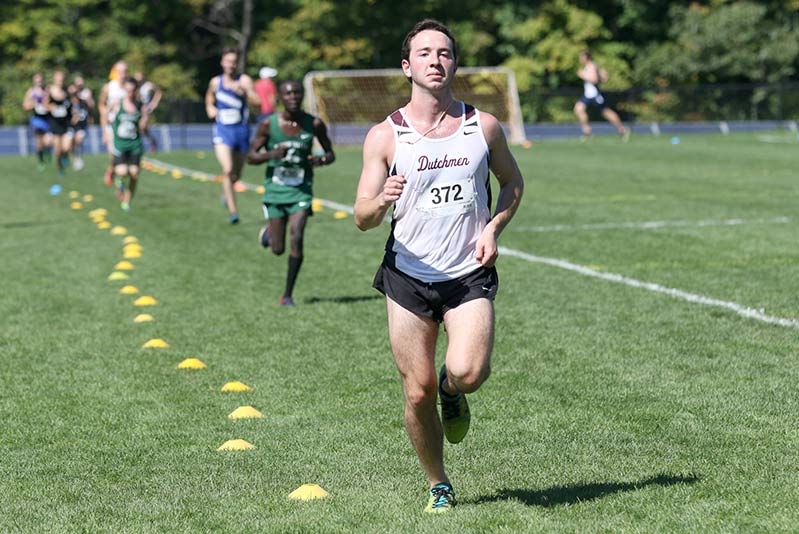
{"x": 446, "y": 201}
{"x": 116, "y": 94}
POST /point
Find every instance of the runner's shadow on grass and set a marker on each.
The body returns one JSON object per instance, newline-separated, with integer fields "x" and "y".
{"x": 559, "y": 495}
{"x": 342, "y": 300}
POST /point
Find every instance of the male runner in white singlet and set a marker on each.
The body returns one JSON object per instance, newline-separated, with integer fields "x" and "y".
{"x": 430, "y": 161}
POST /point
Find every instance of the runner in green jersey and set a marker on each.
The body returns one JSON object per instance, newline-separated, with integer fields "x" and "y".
{"x": 284, "y": 142}
{"x": 129, "y": 122}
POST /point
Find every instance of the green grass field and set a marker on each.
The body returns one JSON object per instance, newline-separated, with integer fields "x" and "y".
{"x": 614, "y": 406}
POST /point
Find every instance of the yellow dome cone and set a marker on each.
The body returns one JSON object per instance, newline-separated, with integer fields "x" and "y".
{"x": 156, "y": 343}
{"x": 236, "y": 445}
{"x": 145, "y": 301}
{"x": 74, "y": 194}
{"x": 103, "y": 225}
{"x": 76, "y": 205}
{"x": 245, "y": 412}
{"x": 131, "y": 254}
{"x": 316, "y": 205}
{"x": 129, "y": 290}
{"x": 98, "y": 212}
{"x": 191, "y": 363}
{"x": 308, "y": 492}
{"x": 235, "y": 387}
{"x": 119, "y": 230}
{"x": 117, "y": 275}
{"x": 124, "y": 266}
{"x": 143, "y": 318}
{"x": 340, "y": 215}
{"x": 130, "y": 239}
{"x": 88, "y": 198}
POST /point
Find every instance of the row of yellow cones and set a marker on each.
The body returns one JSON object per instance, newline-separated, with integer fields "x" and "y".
{"x": 240, "y": 186}
{"x": 132, "y": 249}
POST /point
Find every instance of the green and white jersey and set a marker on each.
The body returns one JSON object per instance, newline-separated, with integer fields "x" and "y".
{"x": 290, "y": 180}
{"x": 127, "y": 137}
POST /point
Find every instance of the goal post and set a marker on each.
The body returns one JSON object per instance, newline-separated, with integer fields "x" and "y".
{"x": 352, "y": 98}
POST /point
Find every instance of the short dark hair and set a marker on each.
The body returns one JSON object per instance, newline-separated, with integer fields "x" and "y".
{"x": 230, "y": 50}
{"x": 427, "y": 24}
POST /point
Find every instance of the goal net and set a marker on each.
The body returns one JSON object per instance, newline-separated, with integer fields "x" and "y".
{"x": 351, "y": 101}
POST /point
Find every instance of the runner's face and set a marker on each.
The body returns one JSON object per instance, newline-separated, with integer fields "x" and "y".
{"x": 432, "y": 60}
{"x": 228, "y": 63}
{"x": 291, "y": 96}
{"x": 130, "y": 89}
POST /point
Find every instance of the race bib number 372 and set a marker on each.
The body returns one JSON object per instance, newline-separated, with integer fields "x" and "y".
{"x": 447, "y": 199}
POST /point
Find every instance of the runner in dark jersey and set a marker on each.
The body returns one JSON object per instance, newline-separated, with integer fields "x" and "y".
{"x": 82, "y": 104}
{"x": 60, "y": 106}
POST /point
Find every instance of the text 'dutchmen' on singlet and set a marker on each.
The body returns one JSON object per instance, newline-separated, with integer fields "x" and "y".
{"x": 446, "y": 201}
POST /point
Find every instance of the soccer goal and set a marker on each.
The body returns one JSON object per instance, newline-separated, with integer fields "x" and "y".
{"x": 357, "y": 99}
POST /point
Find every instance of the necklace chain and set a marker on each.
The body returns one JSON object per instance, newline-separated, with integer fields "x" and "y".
{"x": 438, "y": 121}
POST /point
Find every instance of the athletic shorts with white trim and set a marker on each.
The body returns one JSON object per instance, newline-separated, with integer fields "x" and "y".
{"x": 434, "y": 299}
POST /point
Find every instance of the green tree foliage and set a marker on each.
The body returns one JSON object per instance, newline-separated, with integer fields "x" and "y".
{"x": 177, "y": 42}
{"x": 87, "y": 37}
{"x": 731, "y": 41}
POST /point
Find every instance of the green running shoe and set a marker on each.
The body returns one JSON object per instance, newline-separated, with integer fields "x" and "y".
{"x": 441, "y": 500}
{"x": 455, "y": 415}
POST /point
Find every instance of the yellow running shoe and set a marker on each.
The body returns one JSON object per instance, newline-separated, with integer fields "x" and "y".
{"x": 441, "y": 500}
{"x": 455, "y": 415}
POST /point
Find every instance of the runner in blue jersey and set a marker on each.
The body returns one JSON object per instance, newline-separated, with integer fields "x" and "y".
{"x": 40, "y": 120}
{"x": 226, "y": 103}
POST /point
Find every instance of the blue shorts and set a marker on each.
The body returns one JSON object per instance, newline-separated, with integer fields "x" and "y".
{"x": 236, "y": 136}
{"x": 40, "y": 124}
{"x": 598, "y": 101}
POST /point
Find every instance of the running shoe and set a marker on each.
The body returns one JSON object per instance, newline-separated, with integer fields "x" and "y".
{"x": 263, "y": 237}
{"x": 125, "y": 206}
{"x": 108, "y": 178}
{"x": 455, "y": 415}
{"x": 119, "y": 186}
{"x": 234, "y": 218}
{"x": 77, "y": 163}
{"x": 286, "y": 301}
{"x": 441, "y": 499}
{"x": 625, "y": 136}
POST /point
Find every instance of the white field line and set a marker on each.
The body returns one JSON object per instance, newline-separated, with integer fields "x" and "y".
{"x": 200, "y": 176}
{"x": 744, "y": 311}
{"x": 777, "y": 139}
{"x": 649, "y": 225}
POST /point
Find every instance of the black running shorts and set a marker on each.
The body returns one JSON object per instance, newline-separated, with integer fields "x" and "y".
{"x": 434, "y": 299}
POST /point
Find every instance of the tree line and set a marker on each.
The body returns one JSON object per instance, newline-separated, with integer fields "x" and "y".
{"x": 642, "y": 43}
